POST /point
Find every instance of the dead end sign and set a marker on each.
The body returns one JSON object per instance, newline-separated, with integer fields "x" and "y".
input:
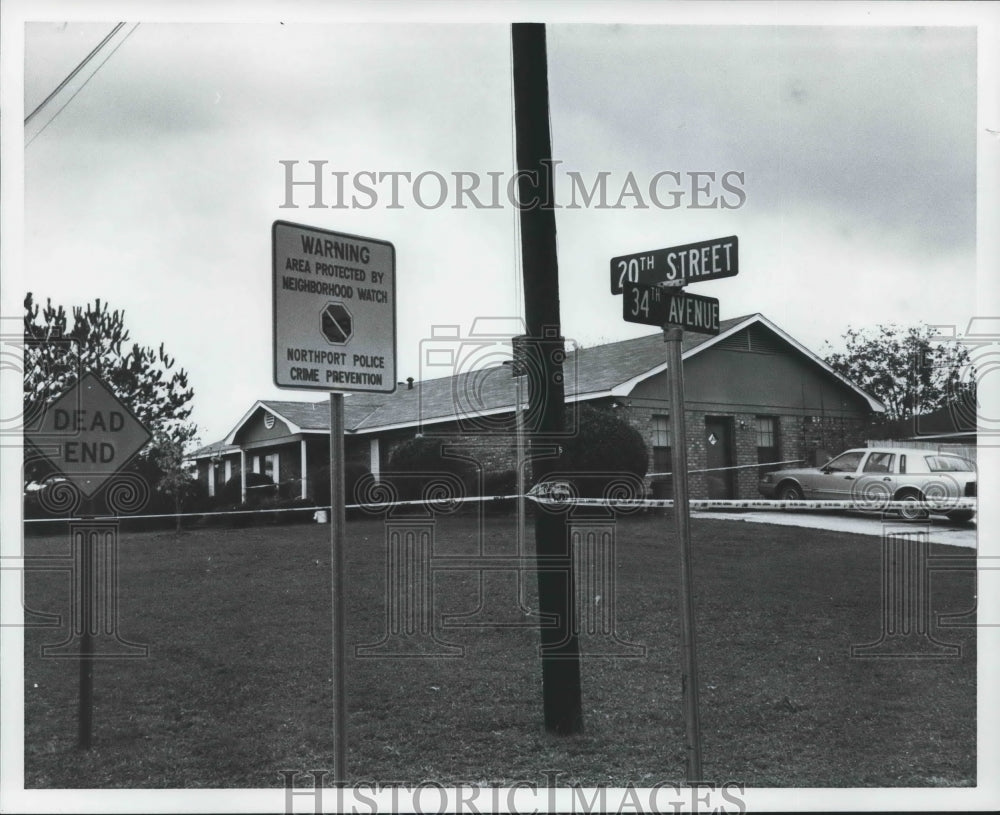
{"x": 88, "y": 434}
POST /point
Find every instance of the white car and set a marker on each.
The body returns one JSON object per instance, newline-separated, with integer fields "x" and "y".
{"x": 926, "y": 480}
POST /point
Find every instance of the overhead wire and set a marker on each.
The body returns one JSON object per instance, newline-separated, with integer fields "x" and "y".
{"x": 69, "y": 78}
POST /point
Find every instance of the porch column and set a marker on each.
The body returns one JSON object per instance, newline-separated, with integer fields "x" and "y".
{"x": 211, "y": 478}
{"x": 302, "y": 461}
{"x": 373, "y": 457}
{"x": 243, "y": 476}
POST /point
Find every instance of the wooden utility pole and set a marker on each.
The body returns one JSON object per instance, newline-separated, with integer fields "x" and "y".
{"x": 561, "y": 693}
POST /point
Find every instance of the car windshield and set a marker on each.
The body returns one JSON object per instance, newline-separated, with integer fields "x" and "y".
{"x": 949, "y": 464}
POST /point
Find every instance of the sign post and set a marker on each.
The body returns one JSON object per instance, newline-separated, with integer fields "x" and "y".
{"x": 652, "y": 285}
{"x": 334, "y": 301}
{"x": 673, "y": 336}
{"x": 88, "y": 435}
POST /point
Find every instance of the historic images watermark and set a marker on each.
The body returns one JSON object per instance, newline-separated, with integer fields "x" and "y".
{"x": 313, "y": 184}
{"x": 474, "y": 423}
{"x": 981, "y": 342}
{"x": 415, "y": 626}
{"x": 305, "y": 792}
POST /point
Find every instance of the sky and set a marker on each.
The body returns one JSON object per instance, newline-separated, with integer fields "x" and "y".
{"x": 848, "y": 153}
{"x": 859, "y": 143}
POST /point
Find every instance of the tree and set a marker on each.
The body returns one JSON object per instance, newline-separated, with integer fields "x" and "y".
{"x": 57, "y": 355}
{"x": 904, "y": 367}
{"x": 175, "y": 477}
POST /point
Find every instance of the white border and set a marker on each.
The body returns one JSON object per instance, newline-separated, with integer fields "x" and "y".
{"x": 985, "y": 16}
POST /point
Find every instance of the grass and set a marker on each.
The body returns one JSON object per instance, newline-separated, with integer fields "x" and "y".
{"x": 237, "y": 686}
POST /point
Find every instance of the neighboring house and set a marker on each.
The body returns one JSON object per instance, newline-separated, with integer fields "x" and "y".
{"x": 754, "y": 395}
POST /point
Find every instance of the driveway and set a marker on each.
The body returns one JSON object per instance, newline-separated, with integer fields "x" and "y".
{"x": 856, "y": 523}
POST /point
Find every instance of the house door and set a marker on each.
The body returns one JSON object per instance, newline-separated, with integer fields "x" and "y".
{"x": 719, "y": 447}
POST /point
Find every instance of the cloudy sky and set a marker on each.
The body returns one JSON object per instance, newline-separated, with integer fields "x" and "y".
{"x": 849, "y": 152}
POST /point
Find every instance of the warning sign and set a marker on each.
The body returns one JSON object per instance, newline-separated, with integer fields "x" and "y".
{"x": 334, "y": 310}
{"x": 88, "y": 434}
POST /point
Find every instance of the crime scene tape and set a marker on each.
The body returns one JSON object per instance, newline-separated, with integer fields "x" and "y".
{"x": 874, "y": 505}
{"x": 736, "y": 467}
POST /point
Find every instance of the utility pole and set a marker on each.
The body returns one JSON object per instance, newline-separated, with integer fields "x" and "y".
{"x": 561, "y": 693}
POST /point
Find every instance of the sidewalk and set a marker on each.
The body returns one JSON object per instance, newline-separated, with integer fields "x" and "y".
{"x": 941, "y": 529}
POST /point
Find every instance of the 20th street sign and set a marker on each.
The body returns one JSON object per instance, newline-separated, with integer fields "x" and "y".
{"x": 678, "y": 265}
{"x": 88, "y": 434}
{"x": 656, "y": 305}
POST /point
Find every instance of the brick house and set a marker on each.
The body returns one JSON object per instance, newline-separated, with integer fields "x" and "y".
{"x": 754, "y": 395}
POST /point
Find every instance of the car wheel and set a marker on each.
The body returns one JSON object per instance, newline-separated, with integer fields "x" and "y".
{"x": 961, "y": 516}
{"x": 789, "y": 492}
{"x": 913, "y": 509}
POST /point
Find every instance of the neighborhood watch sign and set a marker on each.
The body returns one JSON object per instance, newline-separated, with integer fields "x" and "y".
{"x": 88, "y": 435}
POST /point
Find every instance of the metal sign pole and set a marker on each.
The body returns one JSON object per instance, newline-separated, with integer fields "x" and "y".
{"x": 337, "y": 526}
{"x": 88, "y": 601}
{"x": 519, "y": 436}
{"x": 672, "y": 336}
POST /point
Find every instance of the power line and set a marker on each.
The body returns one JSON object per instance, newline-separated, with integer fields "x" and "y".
{"x": 73, "y": 74}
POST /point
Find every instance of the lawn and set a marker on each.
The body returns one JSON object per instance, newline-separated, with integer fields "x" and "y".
{"x": 237, "y": 685}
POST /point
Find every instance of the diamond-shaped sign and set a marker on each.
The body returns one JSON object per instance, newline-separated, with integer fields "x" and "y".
{"x": 88, "y": 434}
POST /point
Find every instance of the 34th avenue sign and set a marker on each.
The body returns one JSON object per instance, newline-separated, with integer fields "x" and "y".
{"x": 88, "y": 435}
{"x": 657, "y": 305}
{"x": 678, "y": 265}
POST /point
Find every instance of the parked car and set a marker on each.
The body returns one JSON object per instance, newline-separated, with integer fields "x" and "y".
{"x": 872, "y": 476}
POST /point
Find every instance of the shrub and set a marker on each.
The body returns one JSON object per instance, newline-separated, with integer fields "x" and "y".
{"x": 603, "y": 445}
{"x": 500, "y": 482}
{"x": 423, "y": 456}
{"x": 259, "y": 487}
{"x": 319, "y": 481}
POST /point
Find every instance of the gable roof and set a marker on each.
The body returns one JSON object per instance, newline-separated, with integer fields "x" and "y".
{"x": 602, "y": 371}
{"x": 728, "y": 328}
{"x": 306, "y": 417}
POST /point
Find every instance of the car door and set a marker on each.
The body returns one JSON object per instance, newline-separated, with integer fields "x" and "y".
{"x": 878, "y": 478}
{"x": 836, "y": 479}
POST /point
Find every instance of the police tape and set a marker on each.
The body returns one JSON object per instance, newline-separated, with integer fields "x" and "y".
{"x": 932, "y": 505}
{"x": 736, "y": 467}
{"x": 929, "y": 505}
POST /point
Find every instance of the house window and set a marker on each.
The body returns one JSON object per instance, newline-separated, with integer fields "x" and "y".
{"x": 767, "y": 441}
{"x": 661, "y": 444}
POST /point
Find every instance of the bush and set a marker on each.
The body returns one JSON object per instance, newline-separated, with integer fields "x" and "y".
{"x": 422, "y": 456}
{"x": 319, "y": 482}
{"x": 292, "y": 511}
{"x": 605, "y": 445}
{"x": 259, "y": 488}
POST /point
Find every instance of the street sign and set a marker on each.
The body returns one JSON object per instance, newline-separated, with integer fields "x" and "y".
{"x": 656, "y": 305}
{"x": 88, "y": 434}
{"x": 678, "y": 265}
{"x": 334, "y": 310}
